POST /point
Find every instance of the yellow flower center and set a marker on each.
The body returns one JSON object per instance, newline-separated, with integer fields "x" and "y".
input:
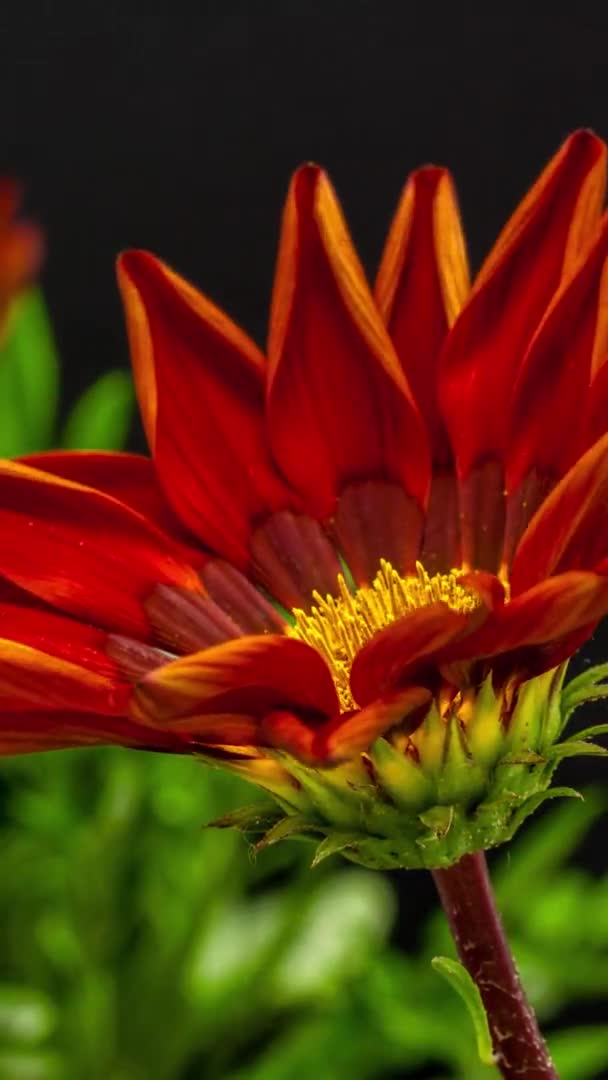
{"x": 339, "y": 626}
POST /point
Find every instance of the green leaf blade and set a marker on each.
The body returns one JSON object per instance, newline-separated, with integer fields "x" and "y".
{"x": 460, "y": 981}
{"x": 101, "y": 418}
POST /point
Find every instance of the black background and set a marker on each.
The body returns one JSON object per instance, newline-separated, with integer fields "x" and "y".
{"x": 178, "y": 131}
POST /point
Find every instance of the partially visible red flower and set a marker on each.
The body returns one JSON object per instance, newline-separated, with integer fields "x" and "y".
{"x": 349, "y": 537}
{"x": 20, "y": 247}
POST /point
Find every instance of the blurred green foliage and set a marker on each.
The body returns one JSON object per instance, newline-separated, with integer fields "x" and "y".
{"x": 30, "y": 392}
{"x": 137, "y": 944}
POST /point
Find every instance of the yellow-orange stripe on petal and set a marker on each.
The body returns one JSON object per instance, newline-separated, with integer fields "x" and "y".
{"x": 546, "y": 613}
{"x": 339, "y": 406}
{"x": 31, "y": 678}
{"x": 422, "y": 284}
{"x": 200, "y": 382}
{"x": 249, "y": 676}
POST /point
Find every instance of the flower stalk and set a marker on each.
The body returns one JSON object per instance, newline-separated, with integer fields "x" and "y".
{"x": 466, "y": 894}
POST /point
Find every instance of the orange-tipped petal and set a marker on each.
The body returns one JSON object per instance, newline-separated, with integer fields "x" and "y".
{"x": 250, "y": 676}
{"x": 83, "y": 551}
{"x": 394, "y": 653}
{"x": 346, "y": 735}
{"x": 30, "y": 678}
{"x": 550, "y": 391}
{"x": 200, "y": 383}
{"x": 339, "y": 406}
{"x": 21, "y": 245}
{"x": 569, "y": 528}
{"x": 537, "y": 249}
{"x": 550, "y": 611}
{"x": 58, "y": 635}
{"x": 422, "y": 284}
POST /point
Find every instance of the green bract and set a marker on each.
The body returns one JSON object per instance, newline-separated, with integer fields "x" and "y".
{"x": 475, "y": 774}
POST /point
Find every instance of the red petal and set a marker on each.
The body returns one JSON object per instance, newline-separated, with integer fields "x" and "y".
{"x": 29, "y": 678}
{"x": 222, "y": 731}
{"x": 551, "y": 610}
{"x": 292, "y": 555}
{"x": 252, "y": 675}
{"x": 595, "y": 422}
{"x": 339, "y": 406}
{"x": 344, "y": 736}
{"x": 200, "y": 383}
{"x": 57, "y": 635}
{"x": 485, "y": 347}
{"x": 422, "y": 284}
{"x": 550, "y": 392}
{"x": 28, "y": 732}
{"x": 377, "y": 520}
{"x": 83, "y": 551}
{"x": 569, "y": 529}
{"x": 347, "y": 736}
{"x": 537, "y": 248}
{"x": 130, "y": 478}
{"x": 394, "y": 652}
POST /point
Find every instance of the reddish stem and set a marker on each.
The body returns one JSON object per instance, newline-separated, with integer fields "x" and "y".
{"x": 468, "y": 901}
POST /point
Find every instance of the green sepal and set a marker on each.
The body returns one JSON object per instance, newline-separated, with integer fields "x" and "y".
{"x": 294, "y": 825}
{"x": 584, "y": 688}
{"x": 485, "y": 735}
{"x": 336, "y": 843}
{"x": 576, "y": 748}
{"x": 534, "y": 801}
{"x": 401, "y": 777}
{"x": 258, "y": 818}
{"x": 462, "y": 780}
{"x": 460, "y": 981}
{"x": 589, "y": 733}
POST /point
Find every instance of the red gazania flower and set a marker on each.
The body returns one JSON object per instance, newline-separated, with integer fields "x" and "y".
{"x": 389, "y": 528}
{"x": 20, "y": 247}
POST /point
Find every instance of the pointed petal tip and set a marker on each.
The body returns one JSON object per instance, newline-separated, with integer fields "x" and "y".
{"x": 132, "y": 262}
{"x": 585, "y": 139}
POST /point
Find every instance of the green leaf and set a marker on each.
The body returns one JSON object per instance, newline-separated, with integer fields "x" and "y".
{"x": 460, "y": 981}
{"x": 29, "y": 377}
{"x": 101, "y": 417}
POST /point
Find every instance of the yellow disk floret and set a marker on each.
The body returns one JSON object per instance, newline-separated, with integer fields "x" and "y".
{"x": 339, "y": 626}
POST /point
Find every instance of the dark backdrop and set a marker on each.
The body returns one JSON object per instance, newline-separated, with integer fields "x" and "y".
{"x": 178, "y": 132}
